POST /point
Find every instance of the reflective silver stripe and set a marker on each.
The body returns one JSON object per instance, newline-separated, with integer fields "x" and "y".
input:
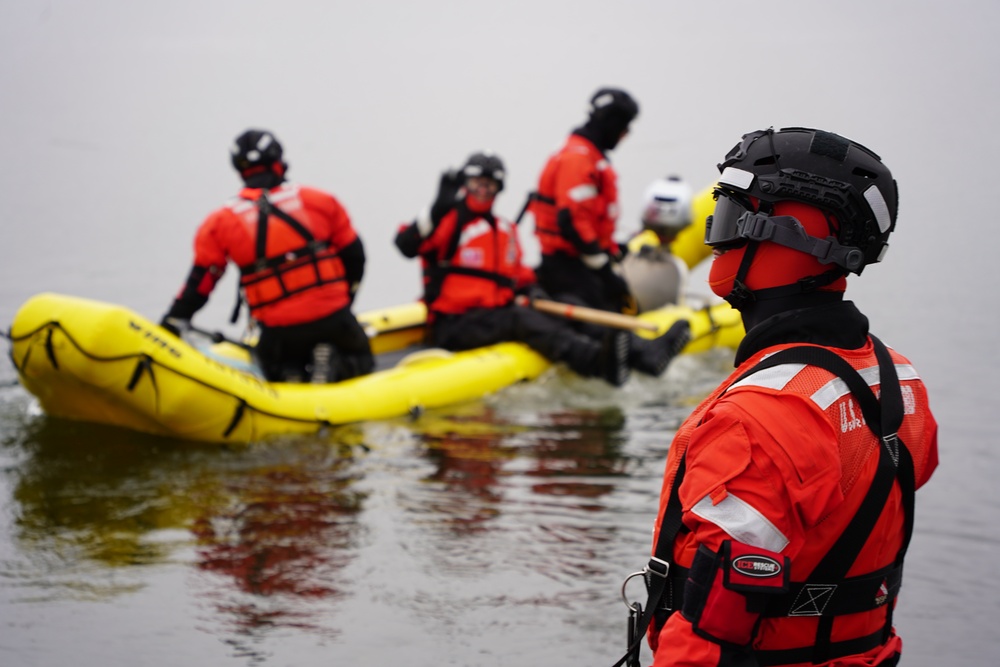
{"x": 836, "y": 388}
{"x": 779, "y": 377}
{"x": 741, "y": 521}
{"x": 474, "y": 231}
{"x": 242, "y": 205}
{"x": 583, "y": 192}
{"x": 286, "y": 191}
{"x": 771, "y": 378}
{"x": 875, "y": 199}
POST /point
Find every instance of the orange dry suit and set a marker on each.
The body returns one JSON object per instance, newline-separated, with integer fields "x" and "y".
{"x": 787, "y": 503}
{"x": 472, "y": 259}
{"x": 299, "y": 257}
{"x": 576, "y": 205}
{"x": 575, "y": 210}
{"x": 472, "y": 269}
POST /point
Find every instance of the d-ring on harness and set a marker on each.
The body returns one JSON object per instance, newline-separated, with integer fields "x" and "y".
{"x": 636, "y": 629}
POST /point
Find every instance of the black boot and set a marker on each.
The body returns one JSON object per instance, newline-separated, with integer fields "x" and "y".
{"x": 614, "y": 359}
{"x": 653, "y": 356}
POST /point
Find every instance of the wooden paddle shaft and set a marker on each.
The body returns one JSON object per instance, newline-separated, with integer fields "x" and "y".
{"x": 584, "y": 314}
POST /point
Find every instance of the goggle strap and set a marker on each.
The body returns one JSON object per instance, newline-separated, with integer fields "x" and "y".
{"x": 785, "y": 230}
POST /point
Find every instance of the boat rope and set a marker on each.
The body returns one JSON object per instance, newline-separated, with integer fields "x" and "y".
{"x": 146, "y": 364}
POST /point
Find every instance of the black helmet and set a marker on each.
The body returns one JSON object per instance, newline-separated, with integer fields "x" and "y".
{"x": 255, "y": 148}
{"x": 484, "y": 164}
{"x": 613, "y": 105}
{"x": 820, "y": 169}
{"x": 610, "y": 112}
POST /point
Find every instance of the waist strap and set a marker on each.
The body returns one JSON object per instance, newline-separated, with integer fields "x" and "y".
{"x": 807, "y": 598}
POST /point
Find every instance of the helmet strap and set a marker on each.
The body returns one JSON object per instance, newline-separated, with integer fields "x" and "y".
{"x": 785, "y": 230}
{"x": 741, "y": 297}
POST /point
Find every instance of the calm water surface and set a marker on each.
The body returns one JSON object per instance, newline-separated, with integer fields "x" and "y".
{"x": 491, "y": 534}
{"x": 497, "y": 533}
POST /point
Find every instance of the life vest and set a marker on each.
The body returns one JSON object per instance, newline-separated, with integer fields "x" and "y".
{"x": 575, "y": 208}
{"x": 472, "y": 260}
{"x": 289, "y": 266}
{"x": 847, "y": 573}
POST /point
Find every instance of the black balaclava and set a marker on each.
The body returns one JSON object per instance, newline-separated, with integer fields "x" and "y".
{"x": 611, "y": 112}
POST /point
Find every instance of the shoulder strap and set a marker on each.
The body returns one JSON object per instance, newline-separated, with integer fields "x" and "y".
{"x": 533, "y": 196}
{"x": 266, "y": 210}
{"x": 895, "y": 463}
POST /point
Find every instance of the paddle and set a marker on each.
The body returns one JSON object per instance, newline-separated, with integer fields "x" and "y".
{"x": 217, "y": 337}
{"x": 584, "y": 314}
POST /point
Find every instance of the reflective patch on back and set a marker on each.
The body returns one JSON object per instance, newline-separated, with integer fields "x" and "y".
{"x": 771, "y": 378}
{"x": 836, "y": 388}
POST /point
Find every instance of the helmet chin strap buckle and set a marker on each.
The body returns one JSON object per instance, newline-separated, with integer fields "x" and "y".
{"x": 740, "y": 297}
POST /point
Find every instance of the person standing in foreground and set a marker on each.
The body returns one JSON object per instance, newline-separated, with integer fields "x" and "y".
{"x": 473, "y": 269}
{"x": 787, "y": 502}
{"x": 301, "y": 263}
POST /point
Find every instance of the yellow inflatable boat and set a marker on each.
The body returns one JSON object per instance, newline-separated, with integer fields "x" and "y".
{"x": 98, "y": 362}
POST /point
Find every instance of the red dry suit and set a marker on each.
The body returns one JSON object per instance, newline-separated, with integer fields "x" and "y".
{"x": 775, "y": 466}
{"x": 576, "y": 205}
{"x": 298, "y": 275}
{"x": 472, "y": 259}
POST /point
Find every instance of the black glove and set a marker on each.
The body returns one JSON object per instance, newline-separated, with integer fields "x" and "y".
{"x": 534, "y": 292}
{"x": 616, "y": 290}
{"x": 175, "y": 325}
{"x": 451, "y": 182}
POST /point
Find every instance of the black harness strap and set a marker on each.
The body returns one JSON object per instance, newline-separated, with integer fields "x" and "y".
{"x": 658, "y": 575}
{"x": 830, "y": 576}
{"x": 439, "y": 273}
{"x": 276, "y": 266}
{"x": 266, "y": 210}
{"x": 439, "y": 268}
{"x": 533, "y": 196}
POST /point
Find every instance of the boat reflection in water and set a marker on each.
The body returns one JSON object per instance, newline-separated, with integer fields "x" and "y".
{"x": 280, "y": 536}
{"x": 101, "y": 510}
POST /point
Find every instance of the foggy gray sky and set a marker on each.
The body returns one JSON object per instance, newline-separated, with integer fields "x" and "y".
{"x": 117, "y": 116}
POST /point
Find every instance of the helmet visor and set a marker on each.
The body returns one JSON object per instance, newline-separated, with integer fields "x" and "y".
{"x": 724, "y": 228}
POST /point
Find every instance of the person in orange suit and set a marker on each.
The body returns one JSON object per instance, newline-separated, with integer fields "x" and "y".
{"x": 474, "y": 269}
{"x": 788, "y": 498}
{"x": 575, "y": 208}
{"x": 300, "y": 261}
{"x": 575, "y": 213}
